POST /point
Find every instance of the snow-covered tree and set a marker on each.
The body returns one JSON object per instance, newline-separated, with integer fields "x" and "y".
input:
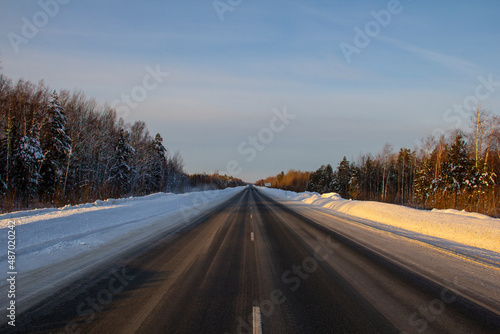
{"x": 456, "y": 173}
{"x": 121, "y": 174}
{"x": 26, "y": 159}
{"x": 423, "y": 181}
{"x": 78, "y": 139}
{"x": 482, "y": 184}
{"x": 56, "y": 146}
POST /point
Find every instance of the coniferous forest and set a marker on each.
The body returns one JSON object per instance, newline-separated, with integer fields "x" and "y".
{"x": 64, "y": 148}
{"x": 459, "y": 171}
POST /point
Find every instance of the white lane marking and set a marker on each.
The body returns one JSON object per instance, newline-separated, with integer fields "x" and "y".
{"x": 252, "y": 237}
{"x": 257, "y": 320}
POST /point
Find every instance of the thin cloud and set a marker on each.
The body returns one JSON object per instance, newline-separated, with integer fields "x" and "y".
{"x": 451, "y": 62}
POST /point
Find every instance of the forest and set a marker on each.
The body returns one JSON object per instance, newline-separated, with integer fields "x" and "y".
{"x": 64, "y": 148}
{"x": 458, "y": 170}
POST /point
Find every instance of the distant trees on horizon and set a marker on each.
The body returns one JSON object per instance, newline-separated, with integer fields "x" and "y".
{"x": 213, "y": 181}
{"x": 294, "y": 180}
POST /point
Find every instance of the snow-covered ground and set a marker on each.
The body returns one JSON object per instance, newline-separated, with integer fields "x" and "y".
{"x": 56, "y": 246}
{"x": 47, "y": 241}
{"x": 50, "y": 235}
{"x": 438, "y": 227}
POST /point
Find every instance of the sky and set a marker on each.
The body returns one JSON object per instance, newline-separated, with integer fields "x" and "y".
{"x": 256, "y": 87}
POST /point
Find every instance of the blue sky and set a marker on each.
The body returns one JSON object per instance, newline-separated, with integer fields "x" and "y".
{"x": 227, "y": 76}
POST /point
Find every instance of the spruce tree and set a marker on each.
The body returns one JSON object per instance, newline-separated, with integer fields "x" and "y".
{"x": 321, "y": 181}
{"x": 456, "y": 176}
{"x": 327, "y": 179}
{"x": 158, "y": 163}
{"x": 342, "y": 178}
{"x": 482, "y": 185}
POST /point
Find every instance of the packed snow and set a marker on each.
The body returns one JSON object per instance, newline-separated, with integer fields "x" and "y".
{"x": 56, "y": 245}
{"x": 443, "y": 226}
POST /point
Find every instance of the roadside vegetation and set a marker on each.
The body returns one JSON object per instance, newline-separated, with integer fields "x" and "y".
{"x": 455, "y": 171}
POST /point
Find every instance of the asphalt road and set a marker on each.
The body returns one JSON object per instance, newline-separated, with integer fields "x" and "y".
{"x": 253, "y": 251}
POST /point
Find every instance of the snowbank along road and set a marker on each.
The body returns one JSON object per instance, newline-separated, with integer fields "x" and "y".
{"x": 293, "y": 268}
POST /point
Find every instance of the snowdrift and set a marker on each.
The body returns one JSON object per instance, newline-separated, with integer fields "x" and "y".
{"x": 470, "y": 229}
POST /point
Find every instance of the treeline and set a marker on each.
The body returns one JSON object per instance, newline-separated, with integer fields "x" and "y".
{"x": 64, "y": 148}
{"x": 456, "y": 171}
{"x": 213, "y": 181}
{"x": 294, "y": 180}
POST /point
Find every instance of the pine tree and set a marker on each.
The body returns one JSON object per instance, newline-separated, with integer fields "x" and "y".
{"x": 56, "y": 145}
{"x": 314, "y": 184}
{"x": 121, "y": 174}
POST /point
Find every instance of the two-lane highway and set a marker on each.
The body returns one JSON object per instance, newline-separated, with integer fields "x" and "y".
{"x": 254, "y": 252}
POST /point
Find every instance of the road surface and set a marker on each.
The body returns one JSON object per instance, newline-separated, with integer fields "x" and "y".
{"x": 301, "y": 274}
